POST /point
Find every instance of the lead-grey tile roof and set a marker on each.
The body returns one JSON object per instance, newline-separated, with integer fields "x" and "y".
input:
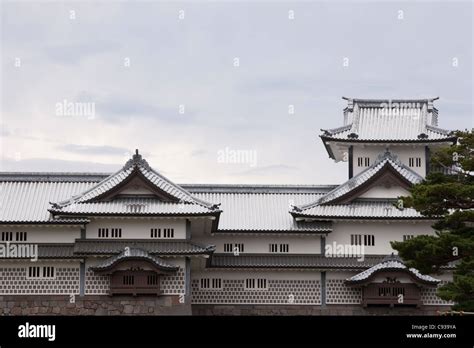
{"x": 244, "y": 260}
{"x": 372, "y": 209}
{"x": 245, "y": 207}
{"x": 110, "y": 247}
{"x": 262, "y": 211}
{"x": 28, "y": 201}
{"x": 134, "y": 253}
{"x": 140, "y": 206}
{"x": 385, "y": 120}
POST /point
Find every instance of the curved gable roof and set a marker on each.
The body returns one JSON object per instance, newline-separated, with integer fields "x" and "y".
{"x": 390, "y": 264}
{"x": 168, "y": 198}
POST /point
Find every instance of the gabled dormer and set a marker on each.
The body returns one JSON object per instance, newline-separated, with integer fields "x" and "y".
{"x": 407, "y": 128}
{"x": 368, "y": 194}
{"x": 138, "y": 190}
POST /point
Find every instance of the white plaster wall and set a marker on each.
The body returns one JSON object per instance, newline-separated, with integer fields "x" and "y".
{"x": 384, "y": 232}
{"x": 381, "y": 191}
{"x": 45, "y": 234}
{"x": 137, "y": 228}
{"x": 260, "y": 244}
{"x": 404, "y": 152}
{"x": 249, "y": 273}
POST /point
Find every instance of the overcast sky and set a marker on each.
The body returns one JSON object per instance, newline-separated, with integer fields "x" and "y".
{"x": 138, "y": 63}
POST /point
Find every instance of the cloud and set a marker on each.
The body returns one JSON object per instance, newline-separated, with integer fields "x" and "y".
{"x": 274, "y": 169}
{"x": 189, "y": 62}
{"x": 55, "y": 165}
{"x": 94, "y": 149}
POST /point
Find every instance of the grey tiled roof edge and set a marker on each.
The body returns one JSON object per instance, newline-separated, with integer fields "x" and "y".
{"x": 289, "y": 261}
{"x": 111, "y": 247}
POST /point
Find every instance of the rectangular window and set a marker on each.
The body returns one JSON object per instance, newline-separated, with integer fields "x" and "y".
{"x": 366, "y": 239}
{"x": 155, "y": 233}
{"x": 363, "y": 161}
{"x": 369, "y": 240}
{"x": 7, "y": 236}
{"x": 250, "y": 283}
{"x": 356, "y": 239}
{"x": 168, "y": 233}
{"x": 152, "y": 279}
{"x": 233, "y": 248}
{"x": 116, "y": 233}
{"x": 211, "y": 283}
{"x": 414, "y": 162}
{"x": 37, "y": 272}
{"x": 282, "y": 248}
{"x": 21, "y": 236}
{"x": 408, "y": 237}
{"x": 128, "y": 279}
{"x": 103, "y": 233}
{"x": 256, "y": 284}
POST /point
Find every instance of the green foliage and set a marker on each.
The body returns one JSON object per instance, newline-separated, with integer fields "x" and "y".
{"x": 450, "y": 200}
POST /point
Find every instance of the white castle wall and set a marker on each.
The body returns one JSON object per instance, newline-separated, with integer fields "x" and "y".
{"x": 138, "y": 228}
{"x": 299, "y": 244}
{"x": 384, "y": 232}
{"x": 404, "y": 152}
{"x": 45, "y": 234}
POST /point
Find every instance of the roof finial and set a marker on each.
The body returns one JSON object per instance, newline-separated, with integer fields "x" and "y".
{"x": 136, "y": 160}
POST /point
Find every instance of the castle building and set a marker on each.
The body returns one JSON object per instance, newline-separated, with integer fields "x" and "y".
{"x": 134, "y": 242}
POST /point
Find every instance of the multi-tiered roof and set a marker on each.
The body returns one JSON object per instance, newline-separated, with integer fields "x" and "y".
{"x": 386, "y": 121}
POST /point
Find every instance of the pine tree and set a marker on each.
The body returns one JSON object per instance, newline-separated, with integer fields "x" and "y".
{"x": 448, "y": 198}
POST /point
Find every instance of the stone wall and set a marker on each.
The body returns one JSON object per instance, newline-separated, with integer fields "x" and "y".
{"x": 92, "y": 305}
{"x": 169, "y": 305}
{"x": 313, "y": 310}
